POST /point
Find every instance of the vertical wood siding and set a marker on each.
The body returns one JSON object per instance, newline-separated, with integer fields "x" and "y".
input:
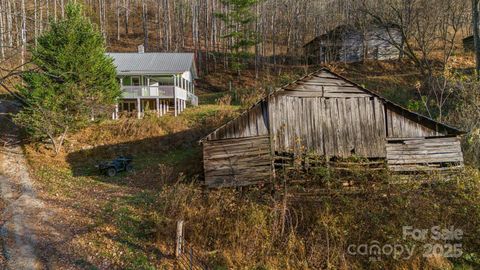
{"x": 237, "y": 162}
{"x": 401, "y": 124}
{"x": 253, "y": 122}
{"x": 328, "y": 126}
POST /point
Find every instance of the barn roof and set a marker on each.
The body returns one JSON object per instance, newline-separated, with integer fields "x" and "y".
{"x": 449, "y": 129}
{"x": 153, "y": 63}
{"x": 469, "y": 38}
{"x": 337, "y": 32}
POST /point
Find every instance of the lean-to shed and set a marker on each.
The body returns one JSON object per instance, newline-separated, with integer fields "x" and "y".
{"x": 328, "y": 115}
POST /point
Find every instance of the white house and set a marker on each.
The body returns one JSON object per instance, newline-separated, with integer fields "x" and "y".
{"x": 158, "y": 82}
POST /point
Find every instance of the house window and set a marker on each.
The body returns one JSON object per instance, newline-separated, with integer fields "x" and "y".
{"x": 136, "y": 81}
{"x": 161, "y": 80}
{"x": 127, "y": 81}
{"x": 131, "y": 81}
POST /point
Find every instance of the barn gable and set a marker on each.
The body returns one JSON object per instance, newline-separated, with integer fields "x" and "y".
{"x": 328, "y": 115}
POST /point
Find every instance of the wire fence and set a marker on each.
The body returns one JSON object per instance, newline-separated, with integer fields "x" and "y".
{"x": 190, "y": 259}
{"x": 187, "y": 257}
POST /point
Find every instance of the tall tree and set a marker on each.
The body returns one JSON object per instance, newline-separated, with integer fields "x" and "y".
{"x": 238, "y": 19}
{"x": 73, "y": 76}
{"x": 476, "y": 33}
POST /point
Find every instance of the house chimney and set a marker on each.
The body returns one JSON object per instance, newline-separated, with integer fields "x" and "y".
{"x": 141, "y": 48}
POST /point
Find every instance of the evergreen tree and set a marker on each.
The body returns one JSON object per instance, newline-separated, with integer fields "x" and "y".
{"x": 238, "y": 18}
{"x": 72, "y": 78}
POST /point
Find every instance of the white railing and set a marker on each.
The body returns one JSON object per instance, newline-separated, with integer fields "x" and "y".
{"x": 148, "y": 91}
{"x": 193, "y": 99}
{"x": 182, "y": 89}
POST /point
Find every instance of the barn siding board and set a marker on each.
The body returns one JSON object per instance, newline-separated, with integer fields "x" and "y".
{"x": 424, "y": 153}
{"x": 237, "y": 161}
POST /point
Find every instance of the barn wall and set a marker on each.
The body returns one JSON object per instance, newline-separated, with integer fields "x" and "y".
{"x": 352, "y": 47}
{"x": 254, "y": 122}
{"x": 379, "y": 46}
{"x": 237, "y": 162}
{"x": 468, "y": 44}
{"x": 401, "y": 124}
{"x": 328, "y": 126}
{"x": 424, "y": 154}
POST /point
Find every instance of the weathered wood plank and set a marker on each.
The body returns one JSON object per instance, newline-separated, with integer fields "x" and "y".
{"x": 420, "y": 151}
{"x": 237, "y": 162}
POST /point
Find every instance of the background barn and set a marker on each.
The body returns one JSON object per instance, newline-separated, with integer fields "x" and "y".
{"x": 349, "y": 44}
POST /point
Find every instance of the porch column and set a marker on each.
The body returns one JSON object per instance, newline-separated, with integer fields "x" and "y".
{"x": 158, "y": 106}
{"x": 175, "y": 106}
{"x": 115, "y": 113}
{"x": 139, "y": 108}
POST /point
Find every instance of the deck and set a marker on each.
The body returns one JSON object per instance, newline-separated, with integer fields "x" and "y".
{"x": 161, "y": 92}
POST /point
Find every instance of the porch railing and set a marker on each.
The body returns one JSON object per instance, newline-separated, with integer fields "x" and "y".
{"x": 148, "y": 91}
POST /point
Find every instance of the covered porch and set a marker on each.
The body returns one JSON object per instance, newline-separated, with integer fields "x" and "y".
{"x": 140, "y": 106}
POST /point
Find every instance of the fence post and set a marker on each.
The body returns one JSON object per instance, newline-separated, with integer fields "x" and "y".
{"x": 191, "y": 258}
{"x": 179, "y": 239}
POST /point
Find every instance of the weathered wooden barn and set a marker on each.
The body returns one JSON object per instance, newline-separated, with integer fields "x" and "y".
{"x": 347, "y": 43}
{"x": 329, "y": 116}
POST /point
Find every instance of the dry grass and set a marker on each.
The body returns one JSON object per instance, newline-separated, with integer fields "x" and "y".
{"x": 238, "y": 230}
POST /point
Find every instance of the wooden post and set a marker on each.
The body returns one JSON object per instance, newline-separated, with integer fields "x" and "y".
{"x": 175, "y": 106}
{"x": 158, "y": 106}
{"x": 115, "y": 113}
{"x": 139, "y": 109}
{"x": 179, "y": 239}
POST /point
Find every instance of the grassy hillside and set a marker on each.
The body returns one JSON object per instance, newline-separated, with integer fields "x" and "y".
{"x": 128, "y": 221}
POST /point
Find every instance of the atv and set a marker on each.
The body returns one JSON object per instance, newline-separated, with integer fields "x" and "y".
{"x": 112, "y": 167}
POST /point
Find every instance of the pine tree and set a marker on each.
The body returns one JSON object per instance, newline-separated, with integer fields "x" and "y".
{"x": 238, "y": 19}
{"x": 72, "y": 78}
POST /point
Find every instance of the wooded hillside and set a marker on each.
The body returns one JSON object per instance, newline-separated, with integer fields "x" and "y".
{"x": 273, "y": 30}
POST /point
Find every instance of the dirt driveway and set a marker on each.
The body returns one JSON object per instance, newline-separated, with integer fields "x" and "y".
{"x": 26, "y": 227}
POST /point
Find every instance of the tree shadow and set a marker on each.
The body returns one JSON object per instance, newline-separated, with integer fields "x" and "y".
{"x": 156, "y": 160}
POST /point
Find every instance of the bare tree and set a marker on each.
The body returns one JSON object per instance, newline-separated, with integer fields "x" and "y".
{"x": 476, "y": 33}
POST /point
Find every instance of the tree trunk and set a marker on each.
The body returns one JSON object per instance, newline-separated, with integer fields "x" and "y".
{"x": 24, "y": 33}
{"x": 2, "y": 46}
{"x": 127, "y": 11}
{"x": 476, "y": 33}
{"x": 118, "y": 19}
{"x": 145, "y": 24}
